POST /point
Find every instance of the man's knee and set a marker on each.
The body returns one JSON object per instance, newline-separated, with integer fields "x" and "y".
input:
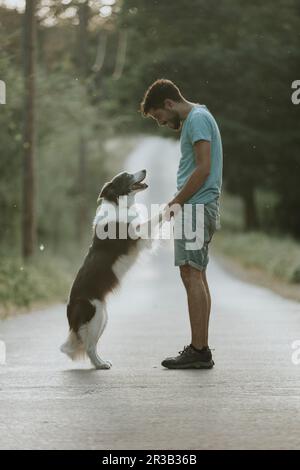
{"x": 189, "y": 275}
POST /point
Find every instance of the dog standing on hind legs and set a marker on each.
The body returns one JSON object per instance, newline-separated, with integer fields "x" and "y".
{"x": 105, "y": 264}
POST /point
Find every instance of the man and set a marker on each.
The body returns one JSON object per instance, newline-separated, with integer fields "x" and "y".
{"x": 199, "y": 180}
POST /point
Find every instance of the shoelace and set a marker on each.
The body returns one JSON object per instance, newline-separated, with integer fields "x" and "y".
{"x": 184, "y": 349}
{"x": 187, "y": 347}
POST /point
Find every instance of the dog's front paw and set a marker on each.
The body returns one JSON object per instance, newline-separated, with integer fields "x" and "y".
{"x": 103, "y": 365}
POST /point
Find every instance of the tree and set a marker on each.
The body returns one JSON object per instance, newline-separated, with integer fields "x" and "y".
{"x": 28, "y": 198}
{"x": 82, "y": 60}
{"x": 226, "y": 55}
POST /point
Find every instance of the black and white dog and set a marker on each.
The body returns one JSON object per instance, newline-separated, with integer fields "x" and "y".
{"x": 106, "y": 262}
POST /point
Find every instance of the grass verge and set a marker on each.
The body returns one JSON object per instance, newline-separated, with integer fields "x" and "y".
{"x": 273, "y": 262}
{"x": 43, "y": 280}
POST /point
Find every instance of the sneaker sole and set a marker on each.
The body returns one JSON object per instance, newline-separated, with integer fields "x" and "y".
{"x": 193, "y": 365}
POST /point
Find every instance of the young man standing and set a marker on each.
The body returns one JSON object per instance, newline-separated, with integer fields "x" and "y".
{"x": 199, "y": 181}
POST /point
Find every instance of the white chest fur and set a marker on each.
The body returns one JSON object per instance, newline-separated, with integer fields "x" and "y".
{"x": 124, "y": 262}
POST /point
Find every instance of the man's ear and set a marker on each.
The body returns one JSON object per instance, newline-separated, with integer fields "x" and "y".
{"x": 108, "y": 193}
{"x": 168, "y": 104}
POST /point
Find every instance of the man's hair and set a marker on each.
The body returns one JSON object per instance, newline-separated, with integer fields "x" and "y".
{"x": 157, "y": 93}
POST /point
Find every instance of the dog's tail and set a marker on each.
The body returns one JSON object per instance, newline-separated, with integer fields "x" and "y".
{"x": 73, "y": 347}
{"x": 79, "y": 312}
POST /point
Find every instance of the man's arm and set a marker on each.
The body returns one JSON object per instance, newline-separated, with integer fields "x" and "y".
{"x": 199, "y": 175}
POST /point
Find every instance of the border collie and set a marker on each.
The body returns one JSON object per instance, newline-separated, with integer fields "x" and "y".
{"x": 105, "y": 264}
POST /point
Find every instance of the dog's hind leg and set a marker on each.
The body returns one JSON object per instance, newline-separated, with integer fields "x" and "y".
{"x": 90, "y": 333}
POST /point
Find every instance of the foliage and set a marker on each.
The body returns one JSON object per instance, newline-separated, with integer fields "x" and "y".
{"x": 44, "y": 279}
{"x": 277, "y": 256}
{"x": 240, "y": 59}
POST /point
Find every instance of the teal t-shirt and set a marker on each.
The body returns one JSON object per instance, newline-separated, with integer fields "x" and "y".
{"x": 201, "y": 125}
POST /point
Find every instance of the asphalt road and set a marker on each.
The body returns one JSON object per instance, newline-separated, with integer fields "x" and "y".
{"x": 250, "y": 400}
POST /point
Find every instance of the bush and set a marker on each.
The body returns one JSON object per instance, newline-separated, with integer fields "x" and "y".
{"x": 278, "y": 256}
{"x": 42, "y": 280}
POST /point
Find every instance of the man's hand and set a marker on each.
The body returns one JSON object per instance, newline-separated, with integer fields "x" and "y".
{"x": 171, "y": 209}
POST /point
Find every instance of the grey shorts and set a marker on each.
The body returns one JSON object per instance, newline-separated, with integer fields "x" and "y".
{"x": 198, "y": 257}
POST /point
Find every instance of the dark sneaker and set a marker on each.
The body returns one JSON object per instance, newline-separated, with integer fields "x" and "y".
{"x": 189, "y": 358}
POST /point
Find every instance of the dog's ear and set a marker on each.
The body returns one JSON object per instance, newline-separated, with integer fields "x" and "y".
{"x": 107, "y": 192}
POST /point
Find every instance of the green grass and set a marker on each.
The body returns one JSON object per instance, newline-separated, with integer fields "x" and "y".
{"x": 278, "y": 256}
{"x": 43, "y": 280}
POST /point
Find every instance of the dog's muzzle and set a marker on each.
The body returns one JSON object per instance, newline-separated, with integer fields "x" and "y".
{"x": 138, "y": 181}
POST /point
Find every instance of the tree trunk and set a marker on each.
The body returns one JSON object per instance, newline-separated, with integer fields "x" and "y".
{"x": 101, "y": 53}
{"x": 28, "y": 212}
{"x": 250, "y": 210}
{"x": 83, "y": 15}
{"x": 81, "y": 222}
{"x": 121, "y": 55}
{"x": 82, "y": 204}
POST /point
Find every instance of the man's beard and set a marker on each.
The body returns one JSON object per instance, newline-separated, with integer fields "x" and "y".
{"x": 176, "y": 122}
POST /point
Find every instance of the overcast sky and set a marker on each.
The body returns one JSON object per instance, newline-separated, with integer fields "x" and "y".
{"x": 13, "y": 3}
{"x": 104, "y": 5}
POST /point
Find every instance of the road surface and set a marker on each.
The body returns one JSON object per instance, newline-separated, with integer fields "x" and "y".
{"x": 250, "y": 400}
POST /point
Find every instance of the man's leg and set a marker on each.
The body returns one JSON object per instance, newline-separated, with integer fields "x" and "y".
{"x": 198, "y": 302}
{"x": 209, "y": 301}
{"x": 197, "y": 355}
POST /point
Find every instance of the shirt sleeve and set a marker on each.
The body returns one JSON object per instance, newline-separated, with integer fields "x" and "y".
{"x": 200, "y": 128}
